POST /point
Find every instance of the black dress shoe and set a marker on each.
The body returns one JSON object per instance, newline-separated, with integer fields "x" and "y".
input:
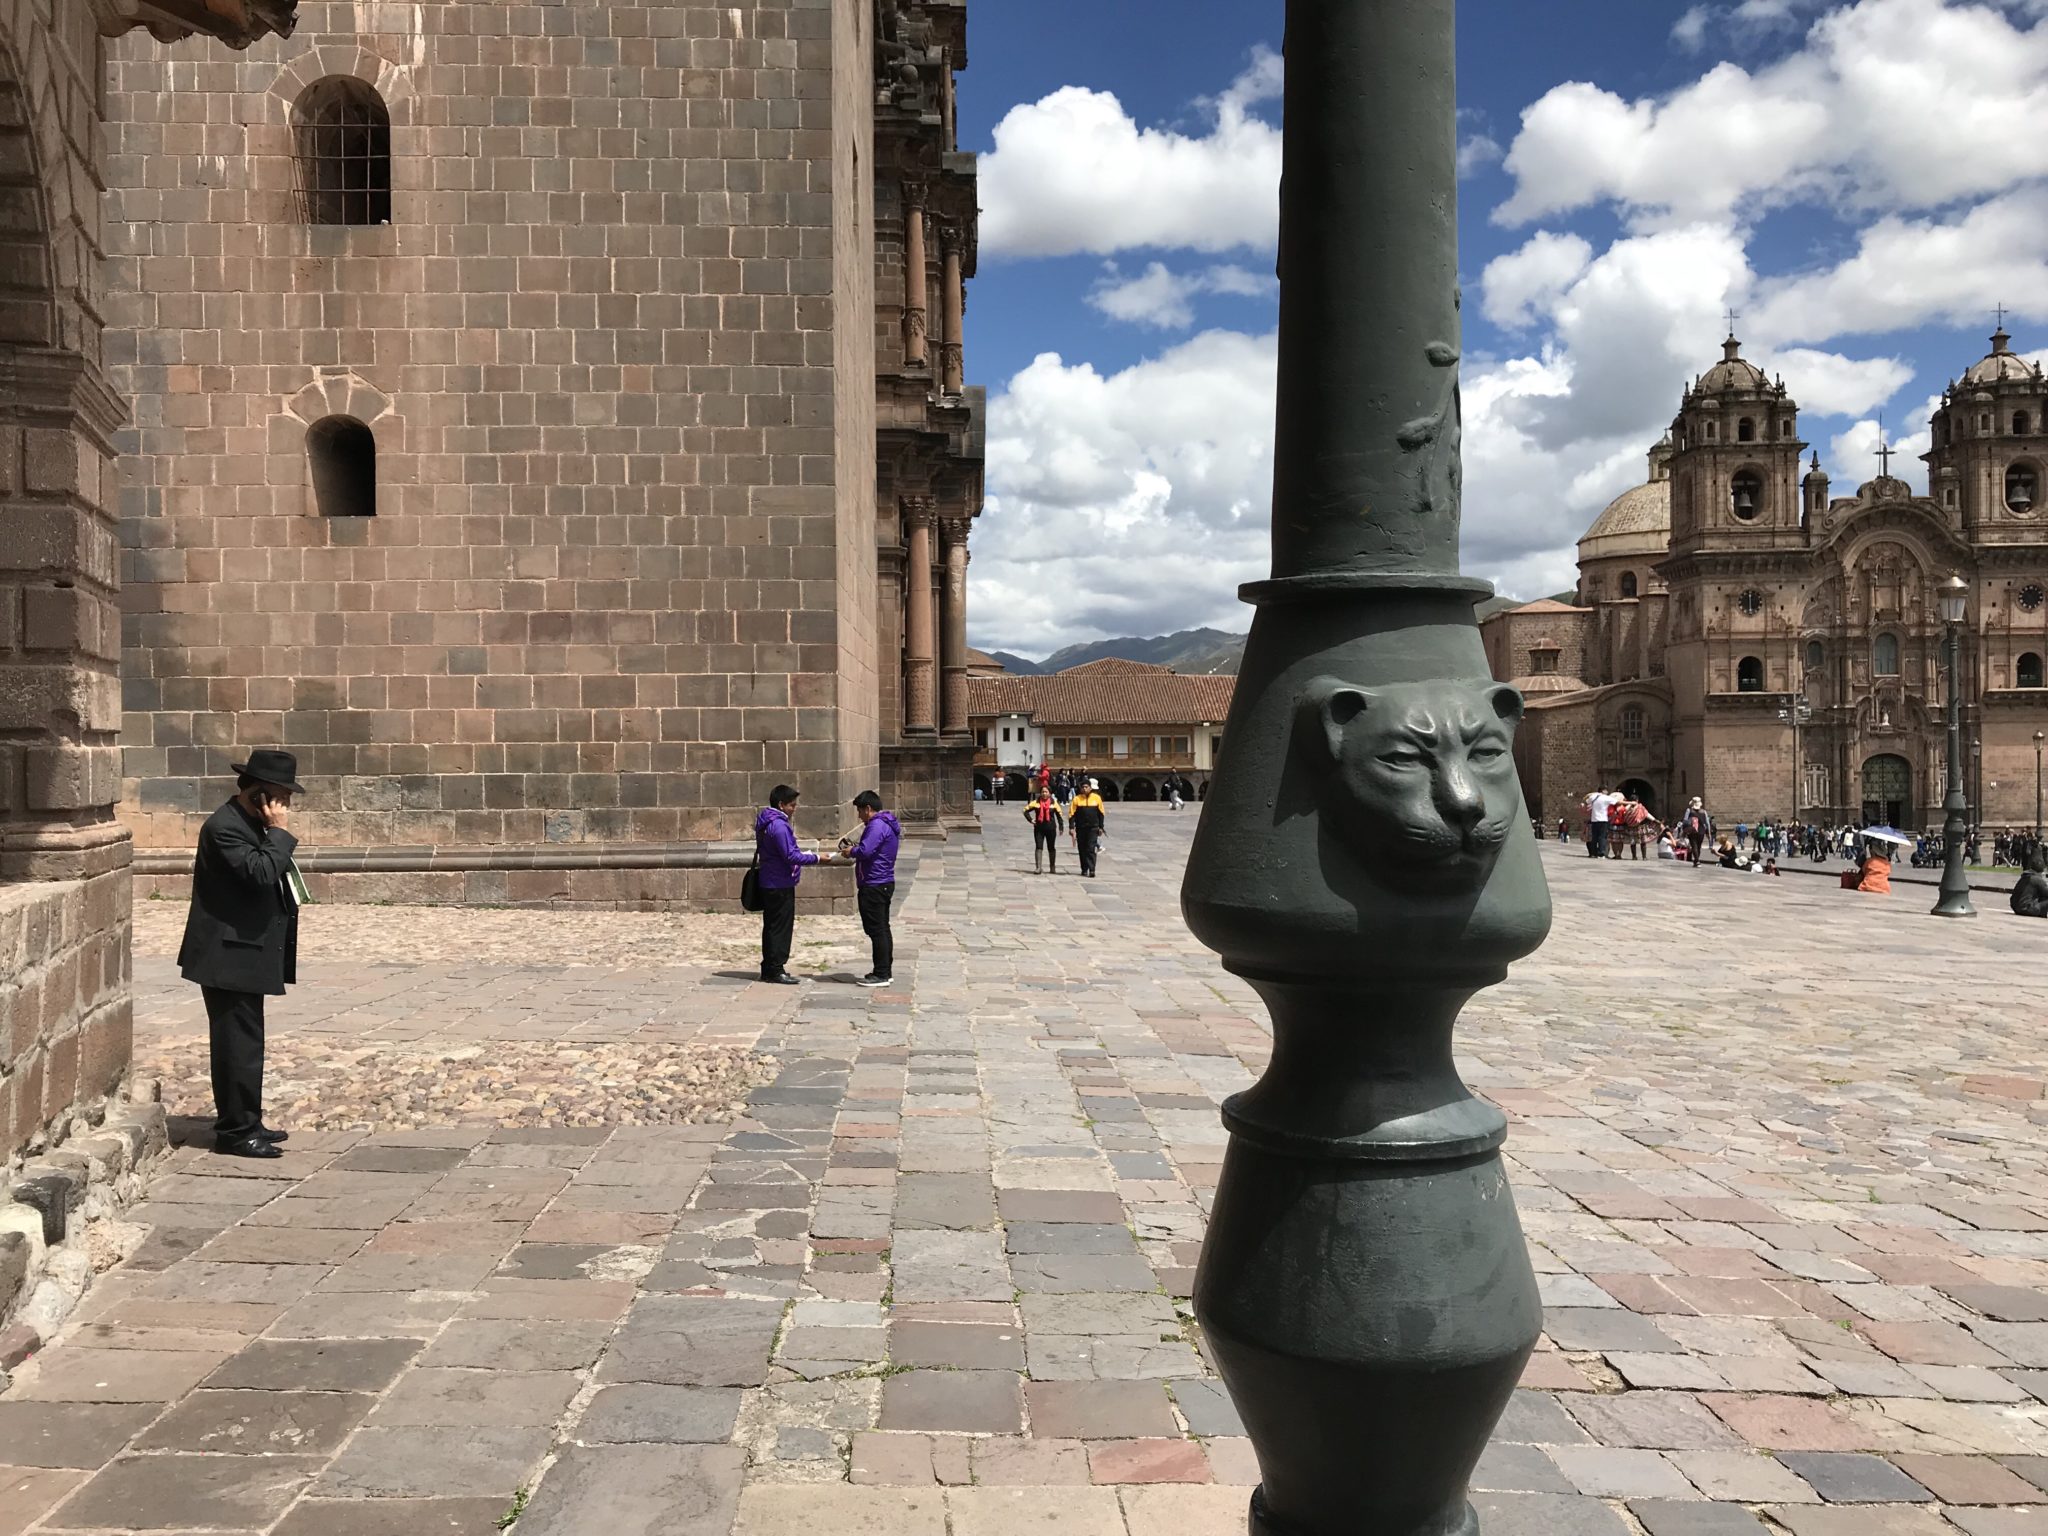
{"x": 246, "y": 1146}
{"x": 784, "y": 980}
{"x": 275, "y": 1136}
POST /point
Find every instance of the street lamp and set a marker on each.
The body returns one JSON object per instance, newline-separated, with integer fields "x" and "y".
{"x": 1365, "y": 1288}
{"x": 1955, "y": 879}
{"x": 2039, "y": 737}
{"x": 1795, "y": 713}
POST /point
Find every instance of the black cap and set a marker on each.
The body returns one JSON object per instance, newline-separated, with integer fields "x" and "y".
{"x": 270, "y": 766}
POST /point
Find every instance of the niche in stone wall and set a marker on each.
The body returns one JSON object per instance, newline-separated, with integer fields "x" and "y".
{"x": 341, "y": 453}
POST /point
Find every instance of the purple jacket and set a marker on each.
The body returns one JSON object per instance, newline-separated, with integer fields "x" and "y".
{"x": 874, "y": 856}
{"x": 781, "y": 860}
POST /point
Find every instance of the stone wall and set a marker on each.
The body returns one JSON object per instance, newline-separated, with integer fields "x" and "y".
{"x": 66, "y": 1012}
{"x": 619, "y": 581}
{"x": 64, "y": 1006}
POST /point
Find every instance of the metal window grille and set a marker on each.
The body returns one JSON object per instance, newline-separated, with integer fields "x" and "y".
{"x": 344, "y": 150}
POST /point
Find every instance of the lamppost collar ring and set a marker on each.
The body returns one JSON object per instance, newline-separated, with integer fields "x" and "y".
{"x": 1318, "y": 584}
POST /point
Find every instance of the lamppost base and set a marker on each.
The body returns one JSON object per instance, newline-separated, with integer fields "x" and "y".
{"x": 1948, "y": 908}
{"x": 1262, "y": 1523}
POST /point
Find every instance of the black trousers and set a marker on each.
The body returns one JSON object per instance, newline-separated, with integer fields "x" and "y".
{"x": 1085, "y": 840}
{"x": 234, "y": 1028}
{"x": 874, "y": 920}
{"x": 778, "y": 931}
{"x": 1045, "y": 845}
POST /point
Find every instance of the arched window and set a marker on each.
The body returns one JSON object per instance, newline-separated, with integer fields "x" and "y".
{"x": 1785, "y": 427}
{"x": 1884, "y": 656}
{"x": 2022, "y": 487}
{"x": 342, "y": 455}
{"x": 1746, "y": 495}
{"x": 1816, "y": 655}
{"x": 1632, "y": 723}
{"x": 2026, "y": 672}
{"x": 1628, "y": 583}
{"x": 2021, "y": 424}
{"x": 1749, "y": 675}
{"x": 343, "y": 140}
{"x": 1745, "y": 431}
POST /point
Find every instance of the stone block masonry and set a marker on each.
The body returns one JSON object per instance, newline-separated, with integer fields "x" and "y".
{"x": 619, "y": 580}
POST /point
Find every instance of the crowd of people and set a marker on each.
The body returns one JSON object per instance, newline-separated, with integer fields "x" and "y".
{"x": 1615, "y": 824}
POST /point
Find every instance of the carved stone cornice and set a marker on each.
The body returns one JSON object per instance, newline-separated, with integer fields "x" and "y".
{"x": 237, "y": 23}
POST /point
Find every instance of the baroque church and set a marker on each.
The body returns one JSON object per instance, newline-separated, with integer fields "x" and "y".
{"x": 1740, "y": 634}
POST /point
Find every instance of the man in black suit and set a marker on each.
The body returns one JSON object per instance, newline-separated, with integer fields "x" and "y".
{"x": 242, "y": 939}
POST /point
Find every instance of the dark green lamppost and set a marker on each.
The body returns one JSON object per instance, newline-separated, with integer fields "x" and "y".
{"x": 1954, "y": 901}
{"x": 1364, "y": 859}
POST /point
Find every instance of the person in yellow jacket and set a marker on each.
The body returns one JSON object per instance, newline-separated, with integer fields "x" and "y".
{"x": 1086, "y": 822}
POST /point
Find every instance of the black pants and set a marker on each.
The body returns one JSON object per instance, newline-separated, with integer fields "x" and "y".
{"x": 1046, "y": 845}
{"x": 874, "y": 921}
{"x": 778, "y": 931}
{"x": 1085, "y": 840}
{"x": 234, "y": 1028}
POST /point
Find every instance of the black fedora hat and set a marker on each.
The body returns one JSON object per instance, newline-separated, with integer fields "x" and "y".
{"x": 271, "y": 766}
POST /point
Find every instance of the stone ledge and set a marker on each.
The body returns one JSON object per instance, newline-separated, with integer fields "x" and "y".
{"x": 58, "y": 1226}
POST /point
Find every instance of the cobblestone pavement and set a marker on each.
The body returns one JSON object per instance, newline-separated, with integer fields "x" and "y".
{"x": 1778, "y": 1150}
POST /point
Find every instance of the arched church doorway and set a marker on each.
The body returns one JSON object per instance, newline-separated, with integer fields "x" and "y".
{"x": 1637, "y": 789}
{"x": 1887, "y": 790}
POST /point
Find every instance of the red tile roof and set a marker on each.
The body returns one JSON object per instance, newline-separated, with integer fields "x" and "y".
{"x": 1110, "y": 692}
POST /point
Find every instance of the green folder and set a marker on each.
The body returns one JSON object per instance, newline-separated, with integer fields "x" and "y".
{"x": 296, "y": 884}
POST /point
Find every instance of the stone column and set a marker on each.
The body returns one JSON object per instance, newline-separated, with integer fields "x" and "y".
{"x": 919, "y": 692}
{"x": 953, "y": 640}
{"x": 954, "y": 300}
{"x": 916, "y": 283}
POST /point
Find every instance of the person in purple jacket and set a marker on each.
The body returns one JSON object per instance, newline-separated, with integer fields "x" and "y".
{"x": 782, "y": 866}
{"x": 874, "y": 878}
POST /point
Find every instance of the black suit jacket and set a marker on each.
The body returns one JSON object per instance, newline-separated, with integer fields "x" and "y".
{"x": 242, "y": 934}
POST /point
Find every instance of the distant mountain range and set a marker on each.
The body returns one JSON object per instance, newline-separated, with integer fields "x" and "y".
{"x": 1190, "y": 651}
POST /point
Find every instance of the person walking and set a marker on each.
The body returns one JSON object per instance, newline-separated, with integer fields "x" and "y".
{"x": 782, "y": 867}
{"x": 874, "y": 880}
{"x": 1046, "y": 821}
{"x": 242, "y": 939}
{"x": 1087, "y": 824}
{"x": 1696, "y": 826}
{"x": 1599, "y": 805}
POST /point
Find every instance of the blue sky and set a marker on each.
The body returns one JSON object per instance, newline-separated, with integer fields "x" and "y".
{"x": 1860, "y": 180}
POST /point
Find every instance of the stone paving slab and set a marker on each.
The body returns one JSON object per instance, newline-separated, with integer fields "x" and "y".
{"x": 1787, "y": 1207}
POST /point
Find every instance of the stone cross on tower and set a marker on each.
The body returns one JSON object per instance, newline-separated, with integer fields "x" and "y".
{"x": 1884, "y": 455}
{"x": 1733, "y": 316}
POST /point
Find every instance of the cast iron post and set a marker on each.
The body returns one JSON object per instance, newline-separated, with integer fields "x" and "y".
{"x": 1954, "y": 900}
{"x": 1364, "y": 859}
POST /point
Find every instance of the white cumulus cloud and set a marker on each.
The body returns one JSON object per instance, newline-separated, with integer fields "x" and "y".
{"x": 1897, "y": 105}
{"x": 1126, "y": 503}
{"x": 1074, "y": 172}
{"x": 1161, "y": 297}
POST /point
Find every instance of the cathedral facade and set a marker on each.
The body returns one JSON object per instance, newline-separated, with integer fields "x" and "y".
{"x": 551, "y": 423}
{"x": 1740, "y": 634}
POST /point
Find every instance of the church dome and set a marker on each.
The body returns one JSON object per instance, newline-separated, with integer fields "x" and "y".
{"x": 1733, "y": 373}
{"x": 1637, "y": 522}
{"x": 2000, "y": 364}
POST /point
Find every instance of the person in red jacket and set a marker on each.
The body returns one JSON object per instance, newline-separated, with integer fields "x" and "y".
{"x": 1046, "y": 822}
